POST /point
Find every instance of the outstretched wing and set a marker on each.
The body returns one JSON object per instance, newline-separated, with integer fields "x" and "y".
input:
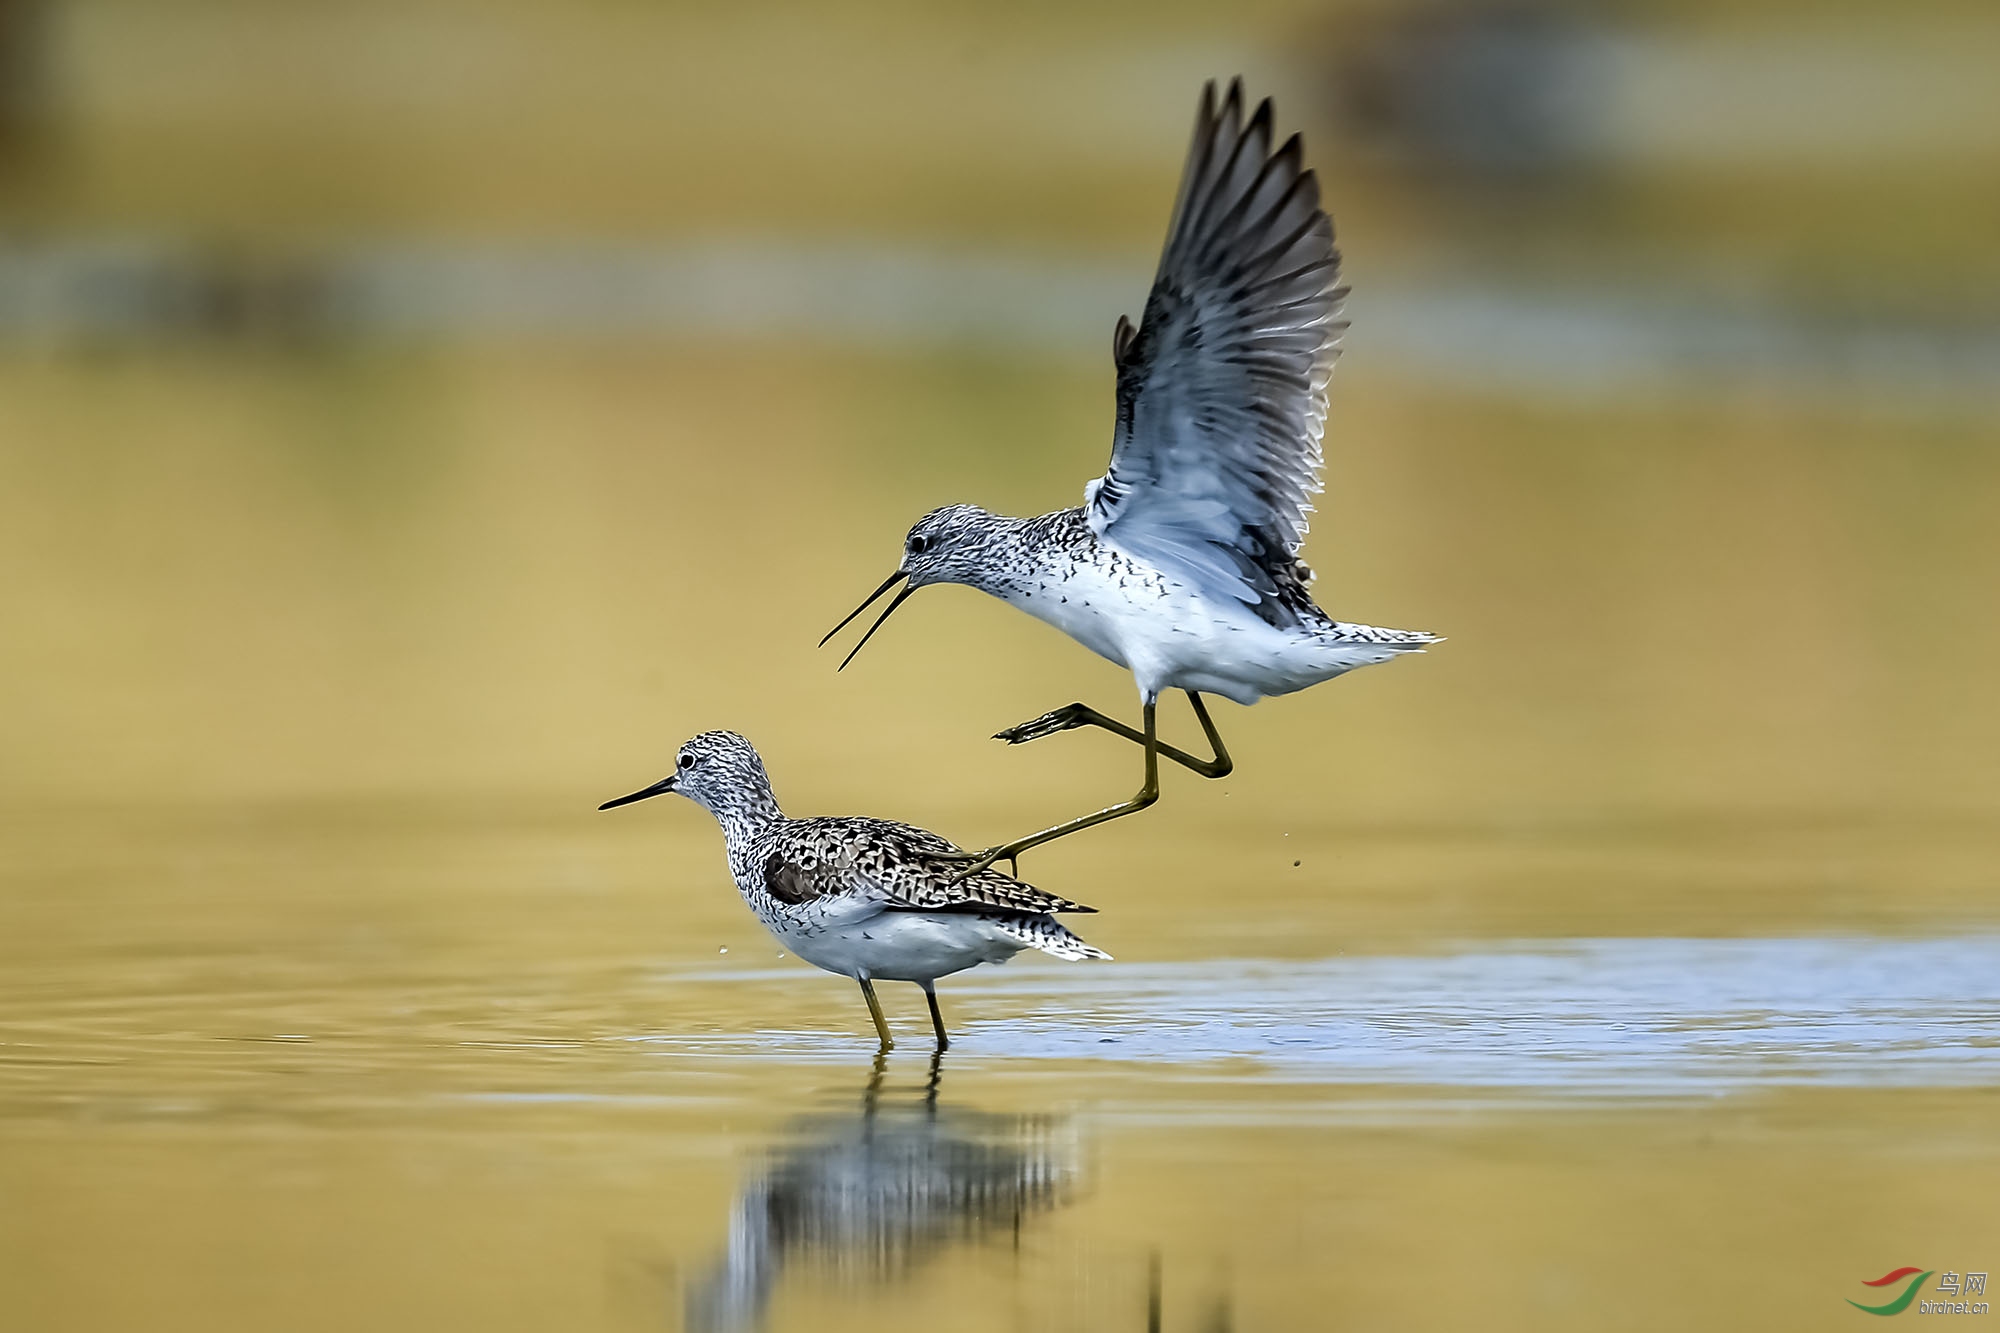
{"x": 901, "y": 863}
{"x": 1222, "y": 387}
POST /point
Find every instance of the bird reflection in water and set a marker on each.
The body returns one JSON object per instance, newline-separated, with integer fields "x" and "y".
{"x": 869, "y": 1197}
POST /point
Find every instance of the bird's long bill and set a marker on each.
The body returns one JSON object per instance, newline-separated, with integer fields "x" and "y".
{"x": 660, "y": 788}
{"x": 888, "y": 611}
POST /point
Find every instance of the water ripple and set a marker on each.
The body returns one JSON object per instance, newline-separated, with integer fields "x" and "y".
{"x": 1595, "y": 1015}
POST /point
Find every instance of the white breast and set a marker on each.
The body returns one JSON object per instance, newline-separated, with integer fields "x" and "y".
{"x": 1085, "y": 603}
{"x": 1169, "y": 636}
{"x": 896, "y": 946}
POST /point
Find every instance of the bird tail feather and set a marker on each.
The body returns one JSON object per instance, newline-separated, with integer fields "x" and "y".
{"x": 1049, "y": 935}
{"x": 1394, "y": 640}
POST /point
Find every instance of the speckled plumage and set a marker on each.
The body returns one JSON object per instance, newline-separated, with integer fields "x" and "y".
{"x": 1183, "y": 563}
{"x": 797, "y": 861}
{"x": 1166, "y": 628}
{"x": 865, "y": 898}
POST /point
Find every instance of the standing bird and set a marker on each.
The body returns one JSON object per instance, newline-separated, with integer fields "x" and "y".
{"x": 866, "y": 898}
{"x": 1183, "y": 562}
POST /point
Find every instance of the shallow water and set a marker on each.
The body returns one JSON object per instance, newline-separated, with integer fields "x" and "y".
{"x": 429, "y": 1069}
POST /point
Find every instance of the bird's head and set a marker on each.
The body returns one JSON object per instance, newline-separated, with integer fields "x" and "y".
{"x": 947, "y": 545}
{"x": 717, "y": 770}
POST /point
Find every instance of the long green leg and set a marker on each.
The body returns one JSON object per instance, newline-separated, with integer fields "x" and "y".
{"x": 937, "y": 1019}
{"x": 1083, "y": 715}
{"x": 1147, "y": 794}
{"x": 1221, "y": 766}
{"x": 875, "y": 1012}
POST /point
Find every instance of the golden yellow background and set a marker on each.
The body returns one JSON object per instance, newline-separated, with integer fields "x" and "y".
{"x": 327, "y": 1000}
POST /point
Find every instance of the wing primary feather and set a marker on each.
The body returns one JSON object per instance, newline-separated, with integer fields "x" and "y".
{"x": 1192, "y": 170}
{"x": 1220, "y": 189}
{"x": 1222, "y": 387}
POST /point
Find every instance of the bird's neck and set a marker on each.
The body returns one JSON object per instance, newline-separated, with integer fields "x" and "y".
{"x": 1018, "y": 551}
{"x": 745, "y": 817}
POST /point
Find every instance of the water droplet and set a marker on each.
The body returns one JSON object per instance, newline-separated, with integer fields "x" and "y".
{"x": 723, "y": 949}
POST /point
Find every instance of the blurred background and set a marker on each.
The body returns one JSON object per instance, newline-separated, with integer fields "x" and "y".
{"x": 416, "y": 418}
{"x": 429, "y": 396}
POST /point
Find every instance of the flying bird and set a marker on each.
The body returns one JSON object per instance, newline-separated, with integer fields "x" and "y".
{"x": 1182, "y": 564}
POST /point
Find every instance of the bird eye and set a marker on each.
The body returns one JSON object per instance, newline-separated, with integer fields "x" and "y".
{"x": 687, "y": 761}
{"x": 919, "y": 544}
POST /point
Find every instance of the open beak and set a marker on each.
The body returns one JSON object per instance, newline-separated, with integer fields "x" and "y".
{"x": 873, "y": 597}
{"x": 660, "y": 788}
